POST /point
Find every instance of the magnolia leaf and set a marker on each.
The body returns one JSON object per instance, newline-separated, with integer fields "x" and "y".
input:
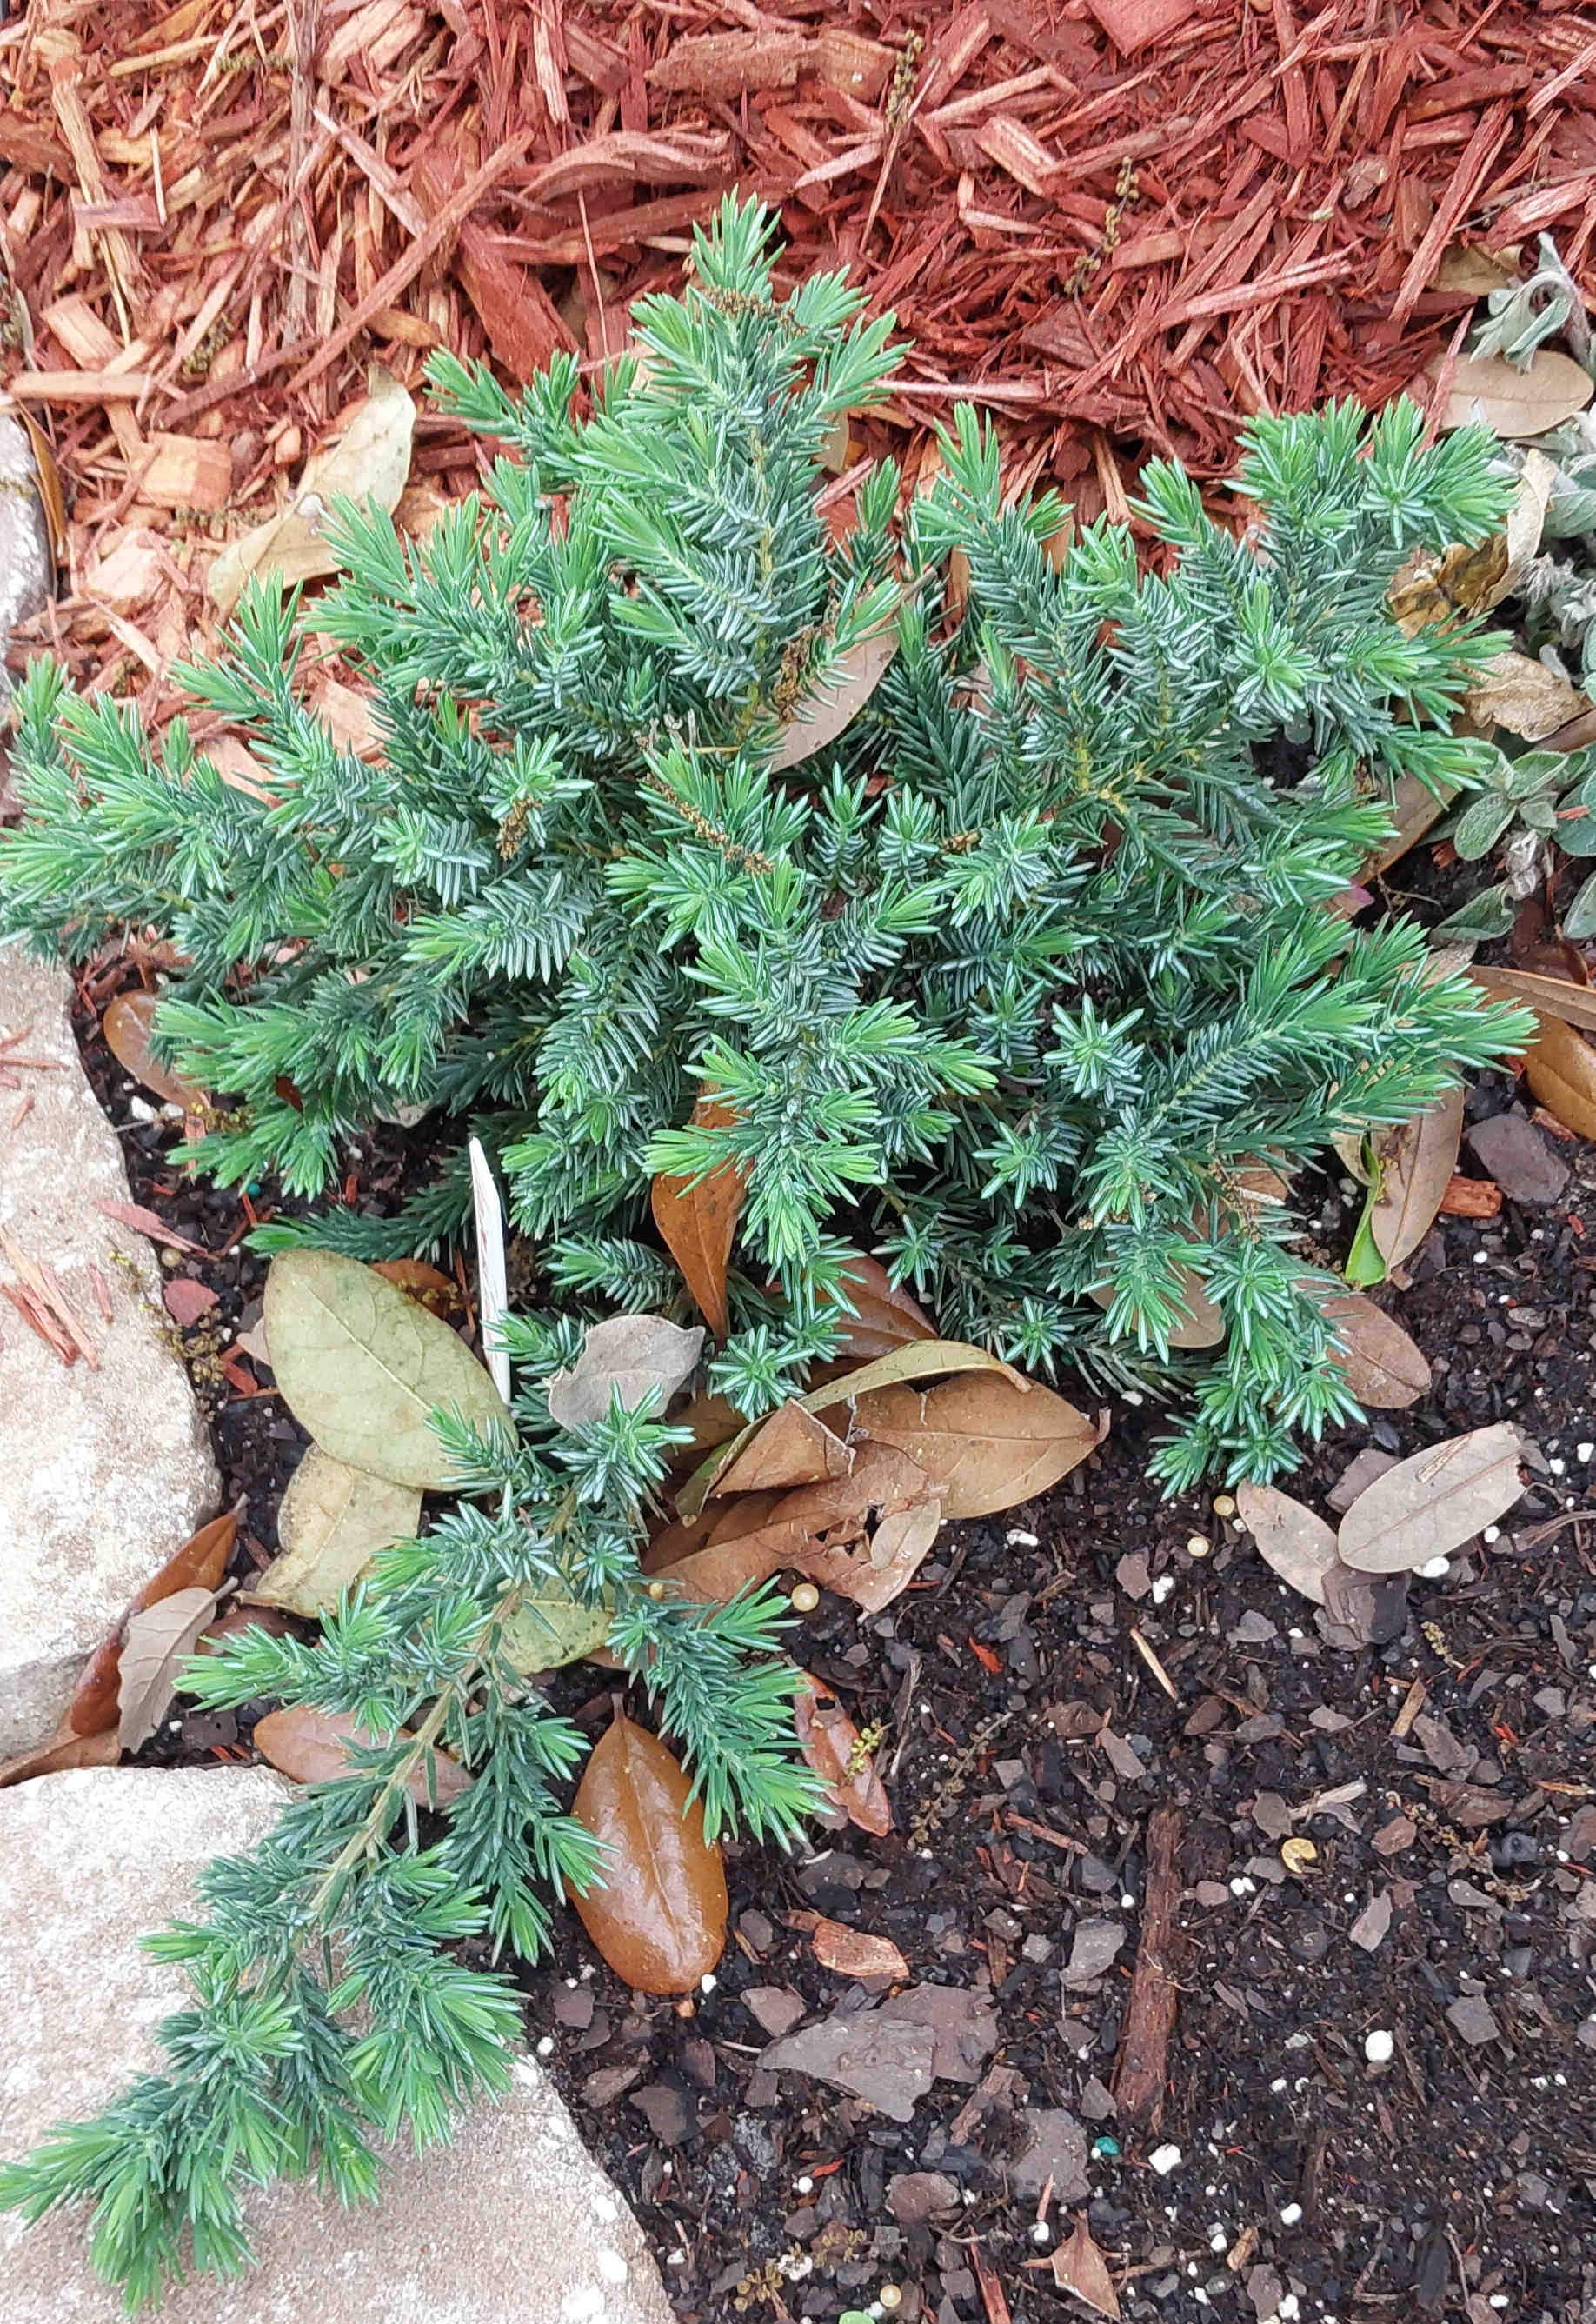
{"x": 1078, "y": 2266}
{"x": 1416, "y": 1162}
{"x": 1514, "y": 403}
{"x": 1523, "y": 696}
{"x": 853, "y": 1952}
{"x": 832, "y": 703}
{"x": 200, "y": 1565}
{"x": 1432, "y": 1502}
{"x": 126, "y": 1025}
{"x": 1475, "y": 271}
{"x": 792, "y": 1447}
{"x": 1548, "y": 996}
{"x": 645, "y": 1358}
{"x": 370, "y": 461}
{"x": 1412, "y": 807}
{"x": 698, "y": 1222}
{"x": 492, "y": 1285}
{"x": 831, "y": 1744}
{"x": 63, "y": 1751}
{"x": 1204, "y": 1324}
{"x": 884, "y": 1316}
{"x": 984, "y": 1442}
{"x": 331, "y": 1522}
{"x": 318, "y": 1746}
{"x": 1298, "y": 1545}
{"x": 824, "y": 1531}
{"x": 1384, "y": 1370}
{"x": 550, "y": 1627}
{"x": 1561, "y": 1070}
{"x": 364, "y": 1369}
{"x": 158, "y": 1640}
{"x": 660, "y": 1918}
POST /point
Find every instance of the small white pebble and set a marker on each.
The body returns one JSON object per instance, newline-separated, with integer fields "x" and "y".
{"x": 1492, "y": 1533}
{"x": 1164, "y": 2160}
{"x": 546, "y": 2046}
{"x": 1163, "y": 1588}
{"x": 676, "y": 2259}
{"x": 804, "y": 2186}
{"x": 1218, "y": 2241}
{"x": 1241, "y": 1887}
{"x": 1279, "y": 2084}
{"x": 1557, "y": 1467}
{"x": 1289, "y": 2307}
{"x": 1480, "y": 1257}
{"x": 1378, "y": 2048}
{"x": 1134, "y": 1395}
{"x": 1041, "y": 2233}
{"x": 1291, "y": 2214}
{"x": 707, "y": 1983}
{"x": 1586, "y": 1451}
{"x": 1434, "y": 1569}
{"x": 1022, "y": 1540}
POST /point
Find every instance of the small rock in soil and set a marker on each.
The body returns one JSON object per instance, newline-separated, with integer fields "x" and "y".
{"x": 916, "y": 2196}
{"x": 1518, "y": 1159}
{"x": 884, "y": 2060}
{"x": 773, "y": 2009}
{"x": 1357, "y": 1477}
{"x": 962, "y": 2021}
{"x": 1370, "y": 1927}
{"x": 1054, "y": 2148}
{"x": 1474, "y": 2019}
{"x": 1095, "y": 1944}
{"x": 669, "y": 2111}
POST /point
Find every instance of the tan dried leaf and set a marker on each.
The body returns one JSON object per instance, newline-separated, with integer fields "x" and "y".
{"x": 1432, "y": 1502}
{"x": 1297, "y": 1544}
{"x": 698, "y": 1222}
{"x": 1385, "y": 1370}
{"x": 792, "y": 1447}
{"x": 331, "y": 1522}
{"x": 1549, "y": 996}
{"x": 1561, "y": 1070}
{"x": 884, "y": 1316}
{"x": 830, "y": 1743}
{"x": 644, "y": 1359}
{"x": 1523, "y": 696}
{"x": 983, "y": 1440}
{"x": 1078, "y": 2266}
{"x": 200, "y": 1565}
{"x": 1514, "y": 403}
{"x": 315, "y": 1747}
{"x": 837, "y": 698}
{"x": 158, "y": 1641}
{"x": 1417, "y": 1161}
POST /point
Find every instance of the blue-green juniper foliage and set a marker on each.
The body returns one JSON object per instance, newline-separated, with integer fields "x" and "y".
{"x": 1012, "y": 983}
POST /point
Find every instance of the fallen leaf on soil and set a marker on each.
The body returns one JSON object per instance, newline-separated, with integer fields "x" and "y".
{"x": 315, "y": 1747}
{"x": 1471, "y": 1198}
{"x": 884, "y": 2061}
{"x": 644, "y": 1357}
{"x": 1384, "y": 1368}
{"x": 1204, "y": 1326}
{"x": 492, "y": 1288}
{"x": 984, "y": 1442}
{"x": 1525, "y": 696}
{"x": 853, "y": 1952}
{"x": 427, "y": 1286}
{"x": 1561, "y": 1070}
{"x": 186, "y": 1301}
{"x": 792, "y": 1448}
{"x": 369, "y": 461}
{"x": 551, "y": 1628}
{"x": 660, "y": 1918}
{"x": 1432, "y": 1502}
{"x": 364, "y": 1369}
{"x": 1417, "y": 1161}
{"x": 126, "y": 1025}
{"x": 62, "y": 1753}
{"x": 158, "y": 1640}
{"x": 1078, "y": 2266}
{"x": 331, "y": 1522}
{"x": 1414, "y": 807}
{"x": 697, "y": 1223}
{"x": 884, "y": 1316}
{"x": 200, "y": 1564}
{"x": 836, "y": 699}
{"x": 1296, "y": 1543}
{"x": 1514, "y": 403}
{"x": 1548, "y": 996}
{"x": 145, "y": 1222}
{"x": 830, "y": 1743}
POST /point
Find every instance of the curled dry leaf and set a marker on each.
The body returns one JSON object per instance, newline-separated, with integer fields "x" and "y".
{"x": 158, "y": 1640}
{"x": 698, "y": 1222}
{"x": 200, "y": 1565}
{"x": 793, "y": 1447}
{"x": 1514, "y": 403}
{"x": 1385, "y": 1370}
{"x": 1078, "y": 2266}
{"x": 369, "y": 461}
{"x": 127, "y": 1024}
{"x": 331, "y": 1522}
{"x": 837, "y": 698}
{"x": 660, "y": 1918}
{"x": 1415, "y": 1163}
{"x": 1561, "y": 1069}
{"x": 1548, "y": 996}
{"x": 643, "y": 1357}
{"x": 852, "y": 1952}
{"x": 364, "y": 1369}
{"x": 1431, "y": 1503}
{"x": 63, "y": 1752}
{"x": 316, "y": 1747}
{"x": 884, "y": 1316}
{"x": 1525, "y": 696}
{"x": 984, "y": 1442}
{"x": 824, "y": 1531}
{"x": 830, "y": 1743}
{"x": 427, "y": 1286}
{"x": 1298, "y": 1545}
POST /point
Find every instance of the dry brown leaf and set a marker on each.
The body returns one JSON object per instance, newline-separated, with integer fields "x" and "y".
{"x": 813, "y": 1531}
{"x": 1384, "y": 1368}
{"x": 838, "y": 698}
{"x": 1078, "y": 2266}
{"x": 852, "y": 1952}
{"x": 1431, "y": 1503}
{"x": 158, "y": 1639}
{"x": 660, "y": 1918}
{"x": 200, "y": 1563}
{"x": 884, "y": 1316}
{"x": 1204, "y": 1324}
{"x": 644, "y": 1359}
{"x": 63, "y": 1751}
{"x": 315, "y": 1747}
{"x": 985, "y": 1443}
{"x": 1549, "y": 996}
{"x": 1475, "y": 271}
{"x": 1417, "y": 1161}
{"x": 1561, "y": 1070}
{"x": 1297, "y": 1544}
{"x": 427, "y": 1286}
{"x": 793, "y": 1447}
{"x": 331, "y": 1522}
{"x": 126, "y": 1025}
{"x": 1413, "y": 807}
{"x": 830, "y": 1742}
{"x": 698, "y": 1224}
{"x": 1514, "y": 403}
{"x": 1525, "y": 696}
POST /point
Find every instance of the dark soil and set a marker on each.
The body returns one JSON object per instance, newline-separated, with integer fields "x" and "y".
{"x": 1450, "y": 1771}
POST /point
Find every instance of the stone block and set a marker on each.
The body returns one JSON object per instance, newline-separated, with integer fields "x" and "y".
{"x": 512, "y": 2224}
{"x": 103, "y": 1473}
